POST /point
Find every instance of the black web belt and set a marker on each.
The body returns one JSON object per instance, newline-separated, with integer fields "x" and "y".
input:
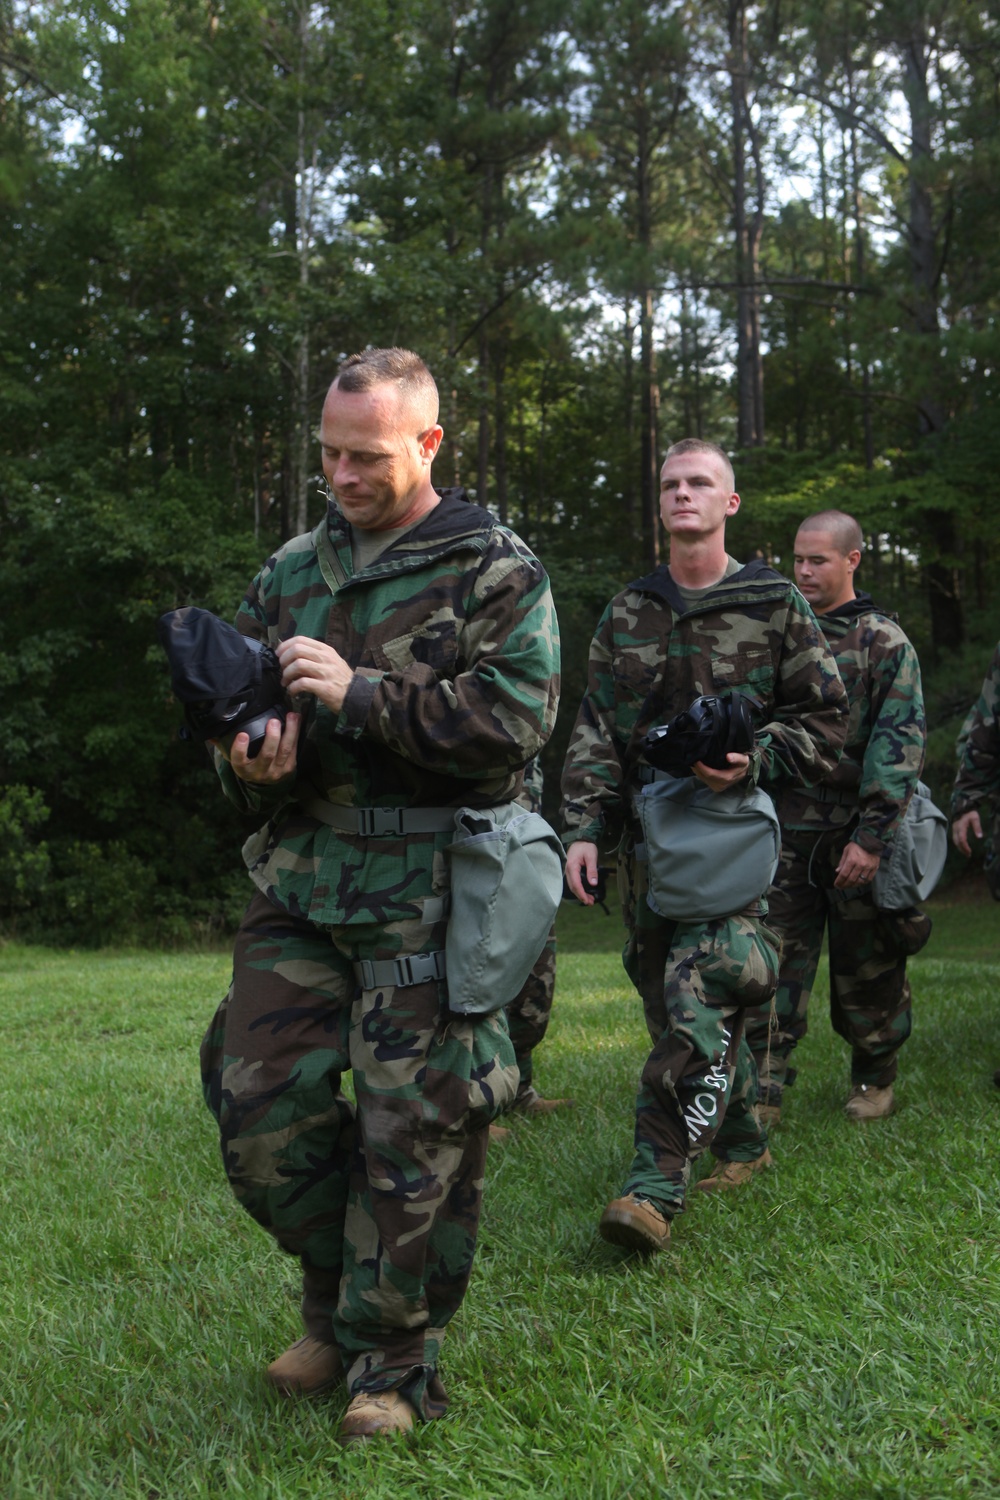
{"x": 841, "y": 796}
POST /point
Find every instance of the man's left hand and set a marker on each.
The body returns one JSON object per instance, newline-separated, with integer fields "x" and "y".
{"x": 857, "y": 867}
{"x": 721, "y": 781}
{"x": 309, "y": 666}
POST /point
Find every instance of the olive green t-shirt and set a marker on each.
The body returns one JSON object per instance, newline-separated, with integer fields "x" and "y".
{"x": 366, "y": 546}
{"x": 691, "y": 596}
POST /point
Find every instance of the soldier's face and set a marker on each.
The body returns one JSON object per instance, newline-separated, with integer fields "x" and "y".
{"x": 824, "y": 574}
{"x": 696, "y": 495}
{"x": 374, "y": 460}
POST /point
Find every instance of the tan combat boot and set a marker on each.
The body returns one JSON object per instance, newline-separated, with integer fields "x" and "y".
{"x": 307, "y": 1367}
{"x": 530, "y": 1102}
{"x": 634, "y": 1223}
{"x": 376, "y": 1414}
{"x": 866, "y": 1102}
{"x": 732, "y": 1174}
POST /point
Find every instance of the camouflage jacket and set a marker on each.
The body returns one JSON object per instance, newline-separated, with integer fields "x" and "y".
{"x": 978, "y": 747}
{"x": 652, "y": 654}
{"x": 533, "y": 788}
{"x": 454, "y": 644}
{"x": 887, "y": 733}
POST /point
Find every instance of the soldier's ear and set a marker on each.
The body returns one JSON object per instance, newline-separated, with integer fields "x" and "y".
{"x": 430, "y": 442}
{"x": 854, "y": 559}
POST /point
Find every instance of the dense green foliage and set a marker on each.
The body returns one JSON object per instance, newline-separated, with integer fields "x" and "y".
{"x": 606, "y": 224}
{"x": 822, "y": 1335}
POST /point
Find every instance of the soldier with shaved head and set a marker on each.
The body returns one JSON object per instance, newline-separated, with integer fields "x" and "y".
{"x": 704, "y": 624}
{"x": 834, "y": 836}
{"x": 418, "y": 641}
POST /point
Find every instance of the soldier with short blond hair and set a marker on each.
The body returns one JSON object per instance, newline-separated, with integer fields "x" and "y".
{"x": 704, "y": 624}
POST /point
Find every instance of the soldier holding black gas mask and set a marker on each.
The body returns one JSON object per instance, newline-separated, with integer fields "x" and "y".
{"x": 703, "y": 627}
{"x": 419, "y": 636}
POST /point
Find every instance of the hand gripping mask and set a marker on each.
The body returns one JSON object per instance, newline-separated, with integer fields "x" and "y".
{"x": 706, "y": 731}
{"x": 228, "y": 683}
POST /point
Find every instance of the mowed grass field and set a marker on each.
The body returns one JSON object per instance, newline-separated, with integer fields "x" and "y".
{"x": 831, "y": 1331}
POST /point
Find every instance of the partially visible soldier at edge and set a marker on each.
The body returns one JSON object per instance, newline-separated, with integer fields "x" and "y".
{"x": 529, "y": 1013}
{"x": 422, "y": 635}
{"x": 704, "y": 624}
{"x": 834, "y": 835}
{"x": 978, "y": 777}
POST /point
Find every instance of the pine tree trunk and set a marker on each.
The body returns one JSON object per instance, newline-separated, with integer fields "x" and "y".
{"x": 941, "y": 574}
{"x": 747, "y": 231}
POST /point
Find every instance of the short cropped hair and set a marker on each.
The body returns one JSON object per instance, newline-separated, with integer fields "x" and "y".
{"x": 402, "y": 368}
{"x": 698, "y": 445}
{"x": 844, "y": 529}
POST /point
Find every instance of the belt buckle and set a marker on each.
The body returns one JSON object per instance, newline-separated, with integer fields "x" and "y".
{"x": 421, "y": 968}
{"x": 414, "y": 968}
{"x": 380, "y": 822}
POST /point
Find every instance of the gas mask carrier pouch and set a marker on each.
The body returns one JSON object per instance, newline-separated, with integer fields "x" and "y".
{"x": 506, "y": 869}
{"x": 709, "y": 854}
{"x": 915, "y": 860}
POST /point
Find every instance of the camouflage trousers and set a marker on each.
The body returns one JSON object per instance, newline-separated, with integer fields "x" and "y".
{"x": 695, "y": 980}
{"x": 870, "y": 1002}
{"x": 528, "y": 1013}
{"x": 379, "y": 1201}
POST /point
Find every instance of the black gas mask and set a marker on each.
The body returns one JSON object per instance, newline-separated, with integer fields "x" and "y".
{"x": 706, "y": 731}
{"x": 228, "y": 683}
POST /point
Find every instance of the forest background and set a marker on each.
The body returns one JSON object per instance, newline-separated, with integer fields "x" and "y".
{"x": 605, "y": 224}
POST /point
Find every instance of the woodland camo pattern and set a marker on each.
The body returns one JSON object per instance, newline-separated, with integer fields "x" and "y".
{"x": 453, "y": 640}
{"x": 870, "y": 998}
{"x": 978, "y": 747}
{"x": 653, "y": 653}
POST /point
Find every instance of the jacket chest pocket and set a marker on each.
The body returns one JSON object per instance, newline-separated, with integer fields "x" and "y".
{"x": 635, "y": 675}
{"x": 747, "y": 669}
{"x": 433, "y": 644}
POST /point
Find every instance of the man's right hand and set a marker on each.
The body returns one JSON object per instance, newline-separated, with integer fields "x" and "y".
{"x": 276, "y": 757}
{"x": 734, "y": 773}
{"x": 581, "y": 859}
{"x": 961, "y": 828}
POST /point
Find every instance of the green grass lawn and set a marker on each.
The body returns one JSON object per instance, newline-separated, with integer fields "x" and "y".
{"x": 831, "y": 1331}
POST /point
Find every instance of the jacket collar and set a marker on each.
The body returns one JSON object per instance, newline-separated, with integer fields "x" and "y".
{"x": 454, "y": 518}
{"x": 660, "y": 584}
{"x": 861, "y": 604}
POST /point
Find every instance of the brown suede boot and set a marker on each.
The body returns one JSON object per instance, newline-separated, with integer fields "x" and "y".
{"x": 376, "y": 1414}
{"x": 634, "y": 1223}
{"x": 499, "y": 1134}
{"x": 732, "y": 1174}
{"x": 867, "y": 1102}
{"x": 530, "y": 1102}
{"x": 307, "y": 1367}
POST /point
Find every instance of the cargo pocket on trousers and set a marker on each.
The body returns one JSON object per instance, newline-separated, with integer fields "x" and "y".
{"x": 471, "y": 1076}
{"x": 739, "y": 960}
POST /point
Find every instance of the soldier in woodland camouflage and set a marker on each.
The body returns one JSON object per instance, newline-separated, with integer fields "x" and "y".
{"x": 418, "y": 640}
{"x": 703, "y": 625}
{"x": 978, "y": 779}
{"x": 834, "y": 835}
